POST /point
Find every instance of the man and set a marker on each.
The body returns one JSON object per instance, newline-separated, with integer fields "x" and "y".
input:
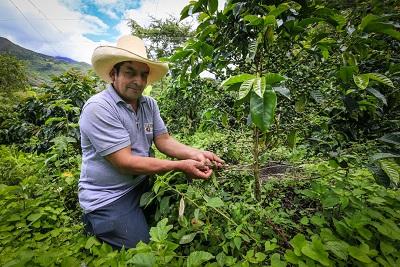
{"x": 118, "y": 127}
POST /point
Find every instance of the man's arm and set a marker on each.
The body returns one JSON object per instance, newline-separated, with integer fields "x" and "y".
{"x": 171, "y": 147}
{"x": 124, "y": 161}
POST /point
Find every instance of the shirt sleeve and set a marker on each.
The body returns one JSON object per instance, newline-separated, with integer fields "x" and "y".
{"x": 103, "y": 128}
{"x": 158, "y": 123}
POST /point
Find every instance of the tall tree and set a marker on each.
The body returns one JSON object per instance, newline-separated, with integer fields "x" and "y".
{"x": 162, "y": 36}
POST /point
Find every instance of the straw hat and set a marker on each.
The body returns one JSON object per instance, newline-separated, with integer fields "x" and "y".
{"x": 128, "y": 48}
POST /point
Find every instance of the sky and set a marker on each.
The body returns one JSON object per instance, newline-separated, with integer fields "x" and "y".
{"x": 73, "y": 28}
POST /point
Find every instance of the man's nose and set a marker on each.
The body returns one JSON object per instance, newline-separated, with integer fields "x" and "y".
{"x": 140, "y": 80}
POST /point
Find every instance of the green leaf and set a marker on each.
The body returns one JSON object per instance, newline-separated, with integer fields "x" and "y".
{"x": 70, "y": 261}
{"x": 367, "y": 20}
{"x": 146, "y": 259}
{"x": 359, "y": 254}
{"x": 160, "y": 232}
{"x": 316, "y": 251}
{"x": 387, "y": 247}
{"x": 387, "y": 229}
{"x": 378, "y": 95}
{"x": 317, "y": 96}
{"x": 185, "y": 12}
{"x": 339, "y": 248}
{"x": 291, "y": 257}
{"x": 383, "y": 27}
{"x": 391, "y": 32}
{"x": 179, "y": 55}
{"x": 304, "y": 220}
{"x": 391, "y": 138}
{"x": 392, "y": 169}
{"x": 283, "y": 90}
{"x": 245, "y": 89}
{"x": 146, "y": 198}
{"x": 276, "y": 261}
{"x": 268, "y": 246}
{"x": 197, "y": 258}
{"x": 212, "y": 6}
{"x": 379, "y": 156}
{"x": 305, "y": 22}
{"x": 269, "y": 20}
{"x": 253, "y": 46}
{"x": 187, "y": 238}
{"x": 214, "y": 202}
{"x": 300, "y": 104}
{"x": 259, "y": 86}
{"x": 92, "y": 241}
{"x": 365, "y": 233}
{"x": 34, "y": 217}
{"x": 298, "y": 242}
{"x": 342, "y": 229}
{"x": 260, "y": 257}
{"x": 273, "y": 78}
{"x": 238, "y": 242}
{"x": 263, "y": 109}
{"x": 346, "y": 73}
{"x": 361, "y": 80}
{"x": 253, "y": 19}
{"x": 380, "y": 78}
{"x": 224, "y": 260}
{"x": 292, "y": 139}
{"x": 279, "y": 10}
{"x": 237, "y": 79}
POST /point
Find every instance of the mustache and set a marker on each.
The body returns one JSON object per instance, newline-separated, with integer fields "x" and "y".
{"x": 135, "y": 86}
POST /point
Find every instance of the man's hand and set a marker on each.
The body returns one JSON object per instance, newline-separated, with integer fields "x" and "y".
{"x": 195, "y": 169}
{"x": 208, "y": 159}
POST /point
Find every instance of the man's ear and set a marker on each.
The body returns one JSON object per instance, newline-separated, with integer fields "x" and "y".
{"x": 113, "y": 74}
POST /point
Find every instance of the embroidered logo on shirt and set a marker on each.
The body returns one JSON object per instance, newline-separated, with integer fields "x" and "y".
{"x": 148, "y": 128}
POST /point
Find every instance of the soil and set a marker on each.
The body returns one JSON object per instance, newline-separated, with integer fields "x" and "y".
{"x": 275, "y": 169}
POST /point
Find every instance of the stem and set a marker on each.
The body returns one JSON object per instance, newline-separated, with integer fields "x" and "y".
{"x": 67, "y": 126}
{"x": 256, "y": 165}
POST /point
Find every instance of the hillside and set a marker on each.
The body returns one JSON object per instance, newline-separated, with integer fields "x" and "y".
{"x": 39, "y": 66}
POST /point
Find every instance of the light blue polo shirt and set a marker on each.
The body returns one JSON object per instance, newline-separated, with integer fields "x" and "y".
{"x": 108, "y": 124}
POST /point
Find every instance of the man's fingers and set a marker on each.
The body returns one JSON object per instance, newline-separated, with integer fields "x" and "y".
{"x": 218, "y": 159}
{"x": 208, "y": 163}
{"x": 205, "y": 174}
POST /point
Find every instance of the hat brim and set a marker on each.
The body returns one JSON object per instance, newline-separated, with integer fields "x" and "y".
{"x": 105, "y": 57}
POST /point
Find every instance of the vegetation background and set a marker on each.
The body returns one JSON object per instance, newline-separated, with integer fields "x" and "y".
{"x": 304, "y": 109}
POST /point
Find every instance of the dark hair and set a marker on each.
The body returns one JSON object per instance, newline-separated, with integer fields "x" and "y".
{"x": 117, "y": 66}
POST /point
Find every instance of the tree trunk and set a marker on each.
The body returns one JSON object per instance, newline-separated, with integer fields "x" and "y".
{"x": 256, "y": 165}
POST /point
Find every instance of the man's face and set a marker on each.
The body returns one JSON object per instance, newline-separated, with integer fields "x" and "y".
{"x": 131, "y": 80}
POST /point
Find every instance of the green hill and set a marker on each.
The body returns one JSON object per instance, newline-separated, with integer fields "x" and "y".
{"x": 40, "y": 67}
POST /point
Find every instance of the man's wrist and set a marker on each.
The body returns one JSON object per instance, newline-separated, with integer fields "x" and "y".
{"x": 177, "y": 165}
{"x": 194, "y": 154}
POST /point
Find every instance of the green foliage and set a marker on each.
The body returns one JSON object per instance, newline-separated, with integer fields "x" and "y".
{"x": 386, "y": 166}
{"x": 13, "y": 77}
{"x": 202, "y": 107}
{"x": 164, "y": 36}
{"x": 37, "y": 227}
{"x": 52, "y": 111}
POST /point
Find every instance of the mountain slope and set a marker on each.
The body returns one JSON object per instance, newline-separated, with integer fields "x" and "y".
{"x": 40, "y": 67}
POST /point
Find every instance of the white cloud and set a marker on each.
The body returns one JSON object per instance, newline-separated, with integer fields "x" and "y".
{"x": 105, "y": 2}
{"x": 58, "y": 28}
{"x": 51, "y": 29}
{"x": 160, "y": 9}
{"x": 108, "y": 12}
